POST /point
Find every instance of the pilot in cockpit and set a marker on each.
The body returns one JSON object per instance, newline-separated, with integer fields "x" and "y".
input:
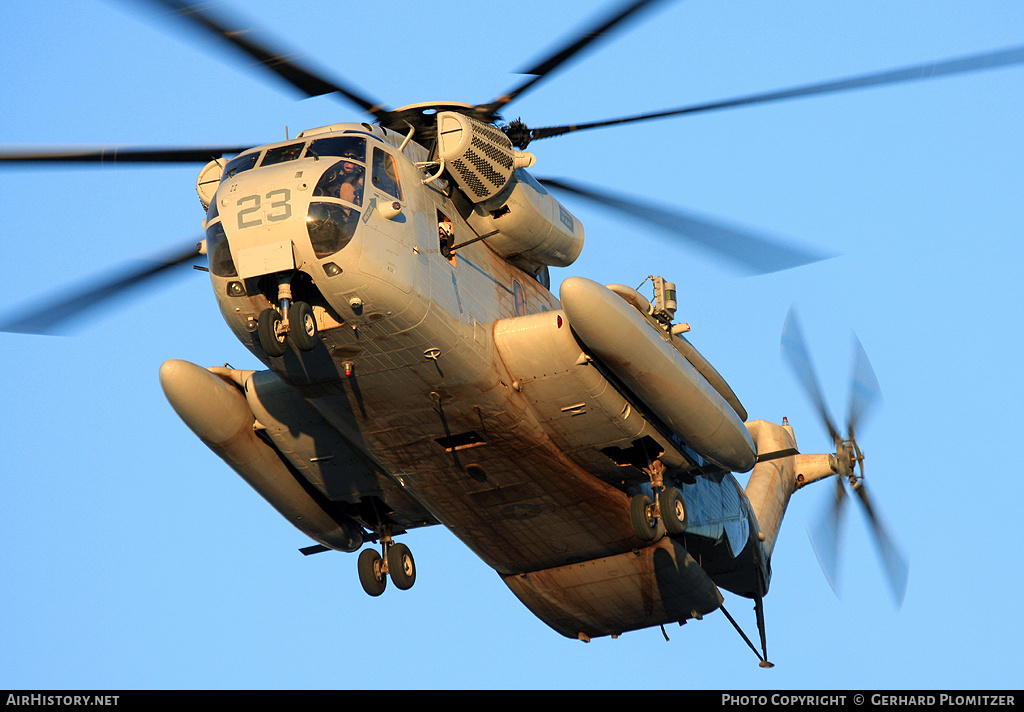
{"x": 350, "y": 182}
{"x": 343, "y": 180}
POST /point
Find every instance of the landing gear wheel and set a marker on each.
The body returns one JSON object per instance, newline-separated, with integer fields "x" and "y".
{"x": 371, "y": 572}
{"x": 401, "y": 567}
{"x": 640, "y": 515}
{"x": 268, "y": 328}
{"x": 302, "y": 326}
{"x": 673, "y": 510}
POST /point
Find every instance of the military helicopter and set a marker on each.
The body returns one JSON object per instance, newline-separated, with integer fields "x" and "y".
{"x": 393, "y": 278}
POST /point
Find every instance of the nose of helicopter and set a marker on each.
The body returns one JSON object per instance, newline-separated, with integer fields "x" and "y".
{"x": 273, "y": 218}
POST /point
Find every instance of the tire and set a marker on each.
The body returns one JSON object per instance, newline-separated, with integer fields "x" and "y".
{"x": 673, "y": 510}
{"x": 267, "y": 328}
{"x": 371, "y": 572}
{"x": 303, "y": 329}
{"x": 401, "y": 567}
{"x": 640, "y": 516}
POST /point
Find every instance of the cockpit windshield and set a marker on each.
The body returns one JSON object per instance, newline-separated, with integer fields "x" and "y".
{"x": 353, "y": 147}
{"x": 282, "y": 154}
{"x": 350, "y": 147}
{"x": 239, "y": 164}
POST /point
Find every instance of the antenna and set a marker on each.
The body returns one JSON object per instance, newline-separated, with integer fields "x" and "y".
{"x": 664, "y": 300}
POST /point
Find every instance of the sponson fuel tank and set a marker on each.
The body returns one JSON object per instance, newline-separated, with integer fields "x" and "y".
{"x": 217, "y": 412}
{"x": 656, "y": 373}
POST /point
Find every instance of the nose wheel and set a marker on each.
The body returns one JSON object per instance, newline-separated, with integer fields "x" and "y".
{"x": 289, "y": 321}
{"x": 396, "y": 562}
{"x": 302, "y": 326}
{"x": 271, "y": 332}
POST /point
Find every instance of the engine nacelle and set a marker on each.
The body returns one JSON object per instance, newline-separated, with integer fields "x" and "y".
{"x": 530, "y": 228}
{"x": 478, "y": 156}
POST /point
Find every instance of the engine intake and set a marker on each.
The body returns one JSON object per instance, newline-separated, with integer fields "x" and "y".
{"x": 478, "y": 156}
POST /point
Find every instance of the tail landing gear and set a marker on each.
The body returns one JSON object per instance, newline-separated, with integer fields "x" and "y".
{"x": 396, "y": 562}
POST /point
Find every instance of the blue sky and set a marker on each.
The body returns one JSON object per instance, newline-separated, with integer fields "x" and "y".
{"x": 132, "y": 557}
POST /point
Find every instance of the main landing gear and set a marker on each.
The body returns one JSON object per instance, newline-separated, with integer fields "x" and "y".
{"x": 291, "y": 320}
{"x": 667, "y": 508}
{"x": 396, "y": 562}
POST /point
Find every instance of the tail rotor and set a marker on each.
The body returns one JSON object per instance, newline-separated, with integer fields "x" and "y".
{"x": 849, "y": 458}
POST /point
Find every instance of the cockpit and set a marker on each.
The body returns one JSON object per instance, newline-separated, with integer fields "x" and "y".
{"x": 351, "y": 147}
{"x": 277, "y": 216}
{"x": 336, "y": 201}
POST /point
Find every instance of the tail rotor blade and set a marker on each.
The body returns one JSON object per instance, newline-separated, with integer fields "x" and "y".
{"x": 794, "y": 348}
{"x": 864, "y": 395}
{"x": 826, "y": 536}
{"x": 896, "y": 567}
{"x": 865, "y": 392}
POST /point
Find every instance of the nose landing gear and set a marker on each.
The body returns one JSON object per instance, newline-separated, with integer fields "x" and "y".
{"x": 288, "y": 321}
{"x": 396, "y": 562}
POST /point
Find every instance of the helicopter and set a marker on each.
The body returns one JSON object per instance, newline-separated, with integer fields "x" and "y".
{"x": 459, "y": 426}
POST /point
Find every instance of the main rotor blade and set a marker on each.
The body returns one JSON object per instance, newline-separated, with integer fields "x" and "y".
{"x": 53, "y": 317}
{"x": 120, "y": 154}
{"x": 602, "y": 29}
{"x": 896, "y": 567}
{"x": 960, "y": 65}
{"x": 277, "y": 61}
{"x": 794, "y": 348}
{"x": 753, "y": 253}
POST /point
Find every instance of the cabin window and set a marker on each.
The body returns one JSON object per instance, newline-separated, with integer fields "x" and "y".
{"x": 519, "y": 296}
{"x": 282, "y": 154}
{"x": 343, "y": 180}
{"x": 330, "y": 227}
{"x": 385, "y": 173}
{"x": 353, "y": 147}
{"x": 239, "y": 164}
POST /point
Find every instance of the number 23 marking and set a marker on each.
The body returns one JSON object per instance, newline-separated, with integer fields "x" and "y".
{"x": 277, "y": 210}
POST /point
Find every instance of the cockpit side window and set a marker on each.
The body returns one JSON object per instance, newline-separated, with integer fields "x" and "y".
{"x": 385, "y": 173}
{"x": 239, "y": 164}
{"x": 351, "y": 147}
{"x": 282, "y": 154}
